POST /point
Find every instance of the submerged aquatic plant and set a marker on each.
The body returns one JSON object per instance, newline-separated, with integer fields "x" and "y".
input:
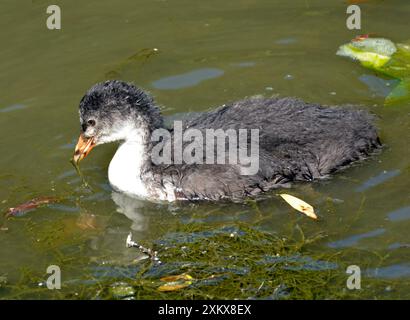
{"x": 386, "y": 57}
{"x": 30, "y": 205}
{"x": 229, "y": 262}
{"x": 133, "y": 62}
{"x": 76, "y": 166}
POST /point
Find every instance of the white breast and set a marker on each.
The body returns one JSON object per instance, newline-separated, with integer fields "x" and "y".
{"x": 124, "y": 171}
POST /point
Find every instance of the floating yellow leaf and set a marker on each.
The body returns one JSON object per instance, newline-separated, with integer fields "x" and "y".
{"x": 172, "y": 286}
{"x": 176, "y": 282}
{"x": 183, "y": 276}
{"x": 299, "y": 205}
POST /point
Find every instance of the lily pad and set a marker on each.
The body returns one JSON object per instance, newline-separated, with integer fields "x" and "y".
{"x": 385, "y": 57}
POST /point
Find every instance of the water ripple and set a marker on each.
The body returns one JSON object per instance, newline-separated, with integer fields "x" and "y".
{"x": 379, "y": 179}
{"x": 13, "y": 108}
{"x": 400, "y": 214}
{"x": 189, "y": 79}
{"x": 353, "y": 240}
{"x": 390, "y": 272}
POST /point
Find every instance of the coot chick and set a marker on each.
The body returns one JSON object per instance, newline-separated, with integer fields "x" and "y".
{"x": 297, "y": 141}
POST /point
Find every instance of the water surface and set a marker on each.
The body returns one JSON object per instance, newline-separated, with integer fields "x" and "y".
{"x": 206, "y": 54}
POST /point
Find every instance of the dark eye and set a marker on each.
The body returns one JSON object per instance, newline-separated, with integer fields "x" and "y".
{"x": 91, "y": 123}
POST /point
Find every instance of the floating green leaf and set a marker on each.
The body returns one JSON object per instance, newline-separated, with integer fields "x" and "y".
{"x": 386, "y": 57}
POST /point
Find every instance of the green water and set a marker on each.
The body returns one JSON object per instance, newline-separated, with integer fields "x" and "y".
{"x": 208, "y": 53}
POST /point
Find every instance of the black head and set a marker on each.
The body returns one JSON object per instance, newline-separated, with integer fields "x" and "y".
{"x": 109, "y": 110}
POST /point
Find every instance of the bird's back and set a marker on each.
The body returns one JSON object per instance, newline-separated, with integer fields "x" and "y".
{"x": 297, "y": 142}
{"x": 294, "y": 132}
